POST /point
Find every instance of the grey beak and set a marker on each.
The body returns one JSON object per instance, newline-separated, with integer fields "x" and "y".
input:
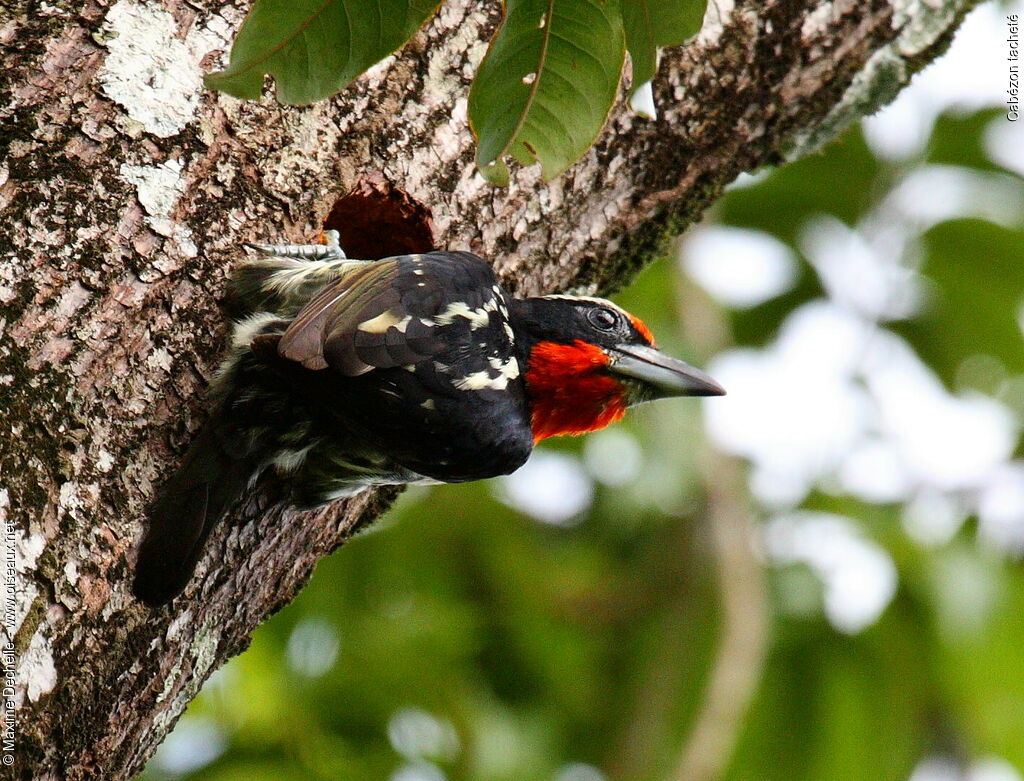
{"x": 666, "y": 375}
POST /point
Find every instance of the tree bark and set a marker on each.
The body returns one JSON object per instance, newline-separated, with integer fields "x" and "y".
{"x": 125, "y": 191}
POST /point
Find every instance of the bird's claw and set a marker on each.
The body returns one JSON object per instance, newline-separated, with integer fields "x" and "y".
{"x": 330, "y": 251}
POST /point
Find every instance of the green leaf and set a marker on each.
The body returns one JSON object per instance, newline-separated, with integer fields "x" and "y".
{"x": 831, "y": 707}
{"x": 974, "y": 303}
{"x": 653, "y": 24}
{"x": 315, "y": 48}
{"x": 980, "y": 651}
{"x": 959, "y": 139}
{"x": 545, "y": 88}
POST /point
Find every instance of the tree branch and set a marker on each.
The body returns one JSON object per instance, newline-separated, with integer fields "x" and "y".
{"x": 742, "y": 586}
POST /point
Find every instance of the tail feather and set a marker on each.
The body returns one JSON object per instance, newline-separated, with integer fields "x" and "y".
{"x": 184, "y": 513}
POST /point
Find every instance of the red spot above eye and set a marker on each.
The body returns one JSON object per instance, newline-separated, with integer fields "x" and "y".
{"x": 570, "y": 391}
{"x": 642, "y": 328}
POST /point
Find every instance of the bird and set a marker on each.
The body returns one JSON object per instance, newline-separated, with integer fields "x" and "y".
{"x": 345, "y": 374}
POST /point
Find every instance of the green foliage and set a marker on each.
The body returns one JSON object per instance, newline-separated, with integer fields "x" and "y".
{"x": 544, "y": 89}
{"x": 315, "y": 48}
{"x": 973, "y": 306}
{"x": 653, "y": 25}
{"x": 959, "y": 140}
{"x": 842, "y": 183}
{"x": 849, "y": 711}
{"x": 977, "y": 653}
{"x": 547, "y": 84}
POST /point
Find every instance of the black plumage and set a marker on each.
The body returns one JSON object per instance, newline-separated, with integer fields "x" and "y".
{"x": 337, "y": 407}
{"x": 345, "y": 374}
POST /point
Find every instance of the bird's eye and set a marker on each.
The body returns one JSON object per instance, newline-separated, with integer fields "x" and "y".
{"x": 603, "y": 319}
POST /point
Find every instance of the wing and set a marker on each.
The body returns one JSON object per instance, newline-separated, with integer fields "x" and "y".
{"x": 391, "y": 313}
{"x": 431, "y": 375}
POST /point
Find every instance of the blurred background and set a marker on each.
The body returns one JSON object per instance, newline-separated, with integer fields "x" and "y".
{"x": 816, "y": 577}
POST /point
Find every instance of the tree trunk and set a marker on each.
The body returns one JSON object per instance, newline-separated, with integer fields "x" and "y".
{"x": 125, "y": 191}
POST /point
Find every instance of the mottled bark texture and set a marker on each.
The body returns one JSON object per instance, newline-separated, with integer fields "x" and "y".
{"x": 125, "y": 191}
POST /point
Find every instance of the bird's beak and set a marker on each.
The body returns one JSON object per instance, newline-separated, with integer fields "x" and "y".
{"x": 665, "y": 375}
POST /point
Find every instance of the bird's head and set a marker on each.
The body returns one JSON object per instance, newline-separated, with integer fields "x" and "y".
{"x": 587, "y": 360}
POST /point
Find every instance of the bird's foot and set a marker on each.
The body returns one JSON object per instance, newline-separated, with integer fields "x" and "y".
{"x": 330, "y": 251}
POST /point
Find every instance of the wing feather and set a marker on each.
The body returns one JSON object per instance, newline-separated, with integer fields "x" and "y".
{"x": 304, "y": 340}
{"x": 382, "y": 314}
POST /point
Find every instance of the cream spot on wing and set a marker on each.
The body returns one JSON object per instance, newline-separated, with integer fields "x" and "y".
{"x": 481, "y": 380}
{"x": 508, "y": 369}
{"x": 384, "y": 321}
{"x": 478, "y": 318}
{"x": 429, "y": 404}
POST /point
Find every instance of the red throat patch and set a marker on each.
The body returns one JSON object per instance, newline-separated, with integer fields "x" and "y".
{"x": 570, "y": 393}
